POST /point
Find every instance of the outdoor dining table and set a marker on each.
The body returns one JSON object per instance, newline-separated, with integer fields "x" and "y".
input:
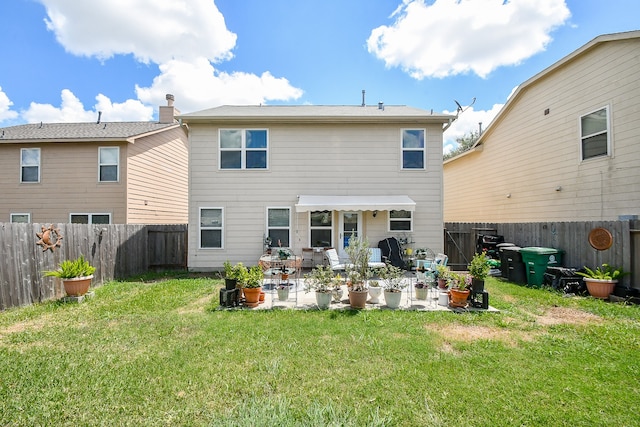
{"x": 273, "y": 261}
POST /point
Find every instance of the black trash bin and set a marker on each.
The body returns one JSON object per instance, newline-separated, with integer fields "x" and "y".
{"x": 513, "y": 268}
{"x": 564, "y": 279}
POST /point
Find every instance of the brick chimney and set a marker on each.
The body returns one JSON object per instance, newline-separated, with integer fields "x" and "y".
{"x": 168, "y": 112}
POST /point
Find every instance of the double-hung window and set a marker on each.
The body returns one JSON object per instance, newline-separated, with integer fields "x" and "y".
{"x": 243, "y": 148}
{"x": 413, "y": 149}
{"x": 279, "y": 226}
{"x": 90, "y": 218}
{"x": 30, "y": 165}
{"x": 594, "y": 134}
{"x": 211, "y": 228}
{"x": 321, "y": 226}
{"x": 108, "y": 160}
{"x": 400, "y": 221}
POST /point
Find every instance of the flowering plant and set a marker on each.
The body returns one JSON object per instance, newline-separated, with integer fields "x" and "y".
{"x": 459, "y": 281}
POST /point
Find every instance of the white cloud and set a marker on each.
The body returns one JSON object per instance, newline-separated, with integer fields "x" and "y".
{"x": 5, "y": 107}
{"x": 183, "y": 37}
{"x": 452, "y": 37}
{"x": 72, "y": 110}
{"x": 151, "y": 30}
{"x": 197, "y": 85}
{"x": 468, "y": 122}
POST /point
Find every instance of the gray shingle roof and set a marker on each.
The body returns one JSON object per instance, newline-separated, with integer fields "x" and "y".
{"x": 314, "y": 112}
{"x": 79, "y": 131}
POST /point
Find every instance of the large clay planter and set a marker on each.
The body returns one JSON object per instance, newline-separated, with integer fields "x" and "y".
{"x": 323, "y": 299}
{"x": 458, "y": 298}
{"x": 77, "y": 286}
{"x": 392, "y": 299}
{"x": 600, "y": 288}
{"x": 252, "y": 296}
{"x": 358, "y": 299}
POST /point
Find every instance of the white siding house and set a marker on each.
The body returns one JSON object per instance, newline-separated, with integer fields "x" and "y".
{"x": 309, "y": 176}
{"x": 565, "y": 146}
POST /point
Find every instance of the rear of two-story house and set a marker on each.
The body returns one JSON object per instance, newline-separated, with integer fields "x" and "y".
{"x": 565, "y": 147}
{"x": 311, "y": 176}
{"x": 99, "y": 172}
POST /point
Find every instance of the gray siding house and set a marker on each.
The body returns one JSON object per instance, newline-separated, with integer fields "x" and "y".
{"x": 311, "y": 176}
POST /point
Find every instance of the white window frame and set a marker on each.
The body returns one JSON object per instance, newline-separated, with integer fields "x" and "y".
{"x": 89, "y": 216}
{"x": 201, "y": 227}
{"x": 243, "y": 149}
{"x": 117, "y": 164}
{"x": 274, "y": 243}
{"x": 410, "y": 149}
{"x": 392, "y": 220}
{"x": 22, "y": 165}
{"x": 607, "y": 131}
{"x": 11, "y": 216}
{"x": 321, "y": 227}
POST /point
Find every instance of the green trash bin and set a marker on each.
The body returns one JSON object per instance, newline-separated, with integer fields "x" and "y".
{"x": 536, "y": 261}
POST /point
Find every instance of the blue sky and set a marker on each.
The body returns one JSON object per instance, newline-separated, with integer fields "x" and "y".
{"x": 64, "y": 60}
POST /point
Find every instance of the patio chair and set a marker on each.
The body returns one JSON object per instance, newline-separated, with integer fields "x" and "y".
{"x": 334, "y": 261}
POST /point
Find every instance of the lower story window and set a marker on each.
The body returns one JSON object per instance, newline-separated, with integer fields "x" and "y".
{"x": 97, "y": 218}
{"x": 279, "y": 226}
{"x": 400, "y": 221}
{"x": 321, "y": 225}
{"x": 211, "y": 228}
{"x": 21, "y": 217}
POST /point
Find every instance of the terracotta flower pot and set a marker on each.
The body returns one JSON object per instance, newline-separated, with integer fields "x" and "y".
{"x": 252, "y": 296}
{"x": 600, "y": 288}
{"x": 77, "y": 286}
{"x": 358, "y": 299}
{"x": 458, "y": 298}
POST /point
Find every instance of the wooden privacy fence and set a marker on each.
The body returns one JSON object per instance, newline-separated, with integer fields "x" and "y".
{"x": 572, "y": 238}
{"x": 116, "y": 250}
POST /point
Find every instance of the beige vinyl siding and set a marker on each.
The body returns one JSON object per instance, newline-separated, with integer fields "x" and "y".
{"x": 528, "y": 154}
{"x": 157, "y": 187}
{"x": 68, "y": 183}
{"x": 336, "y": 159}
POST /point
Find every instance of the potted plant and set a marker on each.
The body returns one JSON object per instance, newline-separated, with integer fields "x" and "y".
{"x": 230, "y": 281}
{"x": 601, "y": 281}
{"x": 422, "y": 290}
{"x": 479, "y": 269}
{"x": 393, "y": 284}
{"x": 283, "y": 291}
{"x": 358, "y": 271}
{"x": 442, "y": 273}
{"x": 337, "y": 291}
{"x": 321, "y": 279}
{"x": 375, "y": 290}
{"x": 253, "y": 286}
{"x": 459, "y": 289}
{"x": 283, "y": 254}
{"x": 76, "y": 276}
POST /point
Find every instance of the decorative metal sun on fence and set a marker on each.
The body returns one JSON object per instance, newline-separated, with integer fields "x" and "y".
{"x": 50, "y": 238}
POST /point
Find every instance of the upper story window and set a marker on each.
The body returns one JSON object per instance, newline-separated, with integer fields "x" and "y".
{"x": 97, "y": 218}
{"x": 30, "y": 165}
{"x": 413, "y": 149}
{"x": 594, "y": 134}
{"x": 243, "y": 148}
{"x": 279, "y": 226}
{"x": 108, "y": 160}
{"x": 400, "y": 221}
{"x": 211, "y": 228}
{"x": 21, "y": 217}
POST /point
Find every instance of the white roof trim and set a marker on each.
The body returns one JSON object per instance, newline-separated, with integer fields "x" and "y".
{"x": 308, "y": 203}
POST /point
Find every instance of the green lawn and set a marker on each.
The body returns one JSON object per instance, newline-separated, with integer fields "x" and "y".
{"x": 160, "y": 353}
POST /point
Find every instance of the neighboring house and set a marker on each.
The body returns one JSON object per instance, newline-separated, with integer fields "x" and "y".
{"x": 565, "y": 146}
{"x": 99, "y": 172}
{"x": 310, "y": 176}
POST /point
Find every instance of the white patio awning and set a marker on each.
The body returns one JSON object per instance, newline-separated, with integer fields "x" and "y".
{"x": 309, "y": 203}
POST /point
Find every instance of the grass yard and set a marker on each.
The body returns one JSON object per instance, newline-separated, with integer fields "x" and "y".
{"x": 159, "y": 353}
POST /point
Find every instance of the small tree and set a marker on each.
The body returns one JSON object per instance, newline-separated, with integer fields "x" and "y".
{"x": 465, "y": 142}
